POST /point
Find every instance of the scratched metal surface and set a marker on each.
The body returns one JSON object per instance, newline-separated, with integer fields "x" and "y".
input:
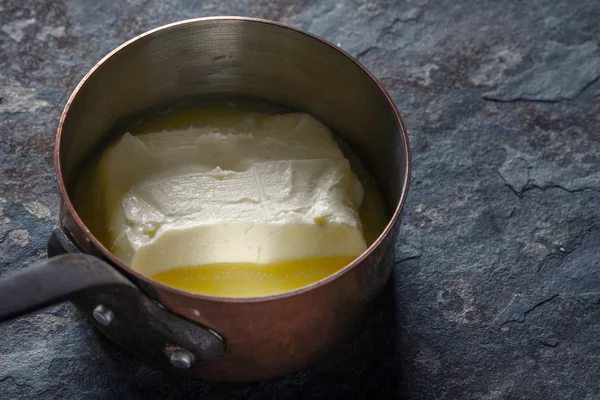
{"x": 496, "y": 290}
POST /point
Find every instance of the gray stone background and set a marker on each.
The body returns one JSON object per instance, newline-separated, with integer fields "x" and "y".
{"x": 496, "y": 289}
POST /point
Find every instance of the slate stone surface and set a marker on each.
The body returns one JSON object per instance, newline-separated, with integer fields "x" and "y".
{"x": 496, "y": 289}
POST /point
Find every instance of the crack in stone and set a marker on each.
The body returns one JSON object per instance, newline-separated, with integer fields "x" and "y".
{"x": 586, "y": 87}
{"x": 512, "y": 189}
{"x": 3, "y": 238}
{"x": 365, "y": 52}
{"x": 522, "y": 173}
{"x": 512, "y": 212}
{"x": 532, "y": 186}
{"x": 523, "y": 100}
{"x": 407, "y": 259}
{"x": 548, "y": 81}
{"x": 546, "y": 101}
{"x": 16, "y": 382}
{"x": 530, "y": 309}
{"x": 512, "y": 310}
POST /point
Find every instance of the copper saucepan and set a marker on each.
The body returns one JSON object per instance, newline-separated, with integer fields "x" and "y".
{"x": 200, "y": 336}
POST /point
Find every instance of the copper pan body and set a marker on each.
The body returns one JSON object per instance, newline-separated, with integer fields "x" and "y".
{"x": 229, "y": 56}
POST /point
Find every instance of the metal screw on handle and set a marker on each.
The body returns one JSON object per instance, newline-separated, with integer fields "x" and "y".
{"x": 181, "y": 359}
{"x": 104, "y": 316}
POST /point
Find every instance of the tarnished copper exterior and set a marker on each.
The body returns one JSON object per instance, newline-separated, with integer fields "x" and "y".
{"x": 270, "y": 336}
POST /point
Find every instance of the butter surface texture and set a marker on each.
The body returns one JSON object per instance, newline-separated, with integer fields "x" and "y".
{"x": 205, "y": 207}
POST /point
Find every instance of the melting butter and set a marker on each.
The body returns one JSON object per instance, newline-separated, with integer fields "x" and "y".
{"x": 237, "y": 203}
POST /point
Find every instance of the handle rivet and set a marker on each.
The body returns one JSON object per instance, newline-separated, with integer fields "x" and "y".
{"x": 104, "y": 316}
{"x": 181, "y": 359}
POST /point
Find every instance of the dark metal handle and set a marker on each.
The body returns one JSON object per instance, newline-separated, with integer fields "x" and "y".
{"x": 55, "y": 280}
{"x": 113, "y": 303}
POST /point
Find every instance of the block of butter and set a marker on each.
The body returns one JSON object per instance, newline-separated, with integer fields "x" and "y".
{"x": 265, "y": 190}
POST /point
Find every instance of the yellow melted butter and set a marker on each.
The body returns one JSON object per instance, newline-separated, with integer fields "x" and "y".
{"x": 251, "y": 280}
{"x": 233, "y": 279}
